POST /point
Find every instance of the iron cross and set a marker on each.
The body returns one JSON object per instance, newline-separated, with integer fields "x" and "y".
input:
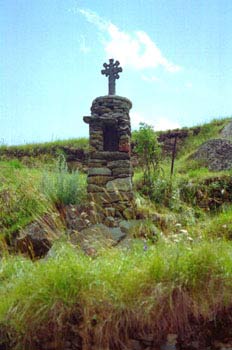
{"x": 111, "y": 70}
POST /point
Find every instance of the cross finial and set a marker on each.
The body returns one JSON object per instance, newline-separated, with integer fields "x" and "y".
{"x": 111, "y": 70}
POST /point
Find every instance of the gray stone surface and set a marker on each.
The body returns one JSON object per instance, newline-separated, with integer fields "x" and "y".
{"x": 139, "y": 228}
{"x": 124, "y": 185}
{"x": 216, "y": 154}
{"x": 36, "y": 239}
{"x": 96, "y": 237}
{"x": 227, "y": 131}
{"x": 109, "y": 155}
{"x": 121, "y": 172}
{"x": 119, "y": 164}
{"x": 99, "y": 171}
{"x": 99, "y": 180}
{"x": 112, "y": 197}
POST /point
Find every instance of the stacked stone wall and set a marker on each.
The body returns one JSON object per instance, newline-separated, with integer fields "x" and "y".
{"x": 110, "y": 171}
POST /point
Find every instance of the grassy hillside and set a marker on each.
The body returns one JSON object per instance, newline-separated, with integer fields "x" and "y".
{"x": 176, "y": 281}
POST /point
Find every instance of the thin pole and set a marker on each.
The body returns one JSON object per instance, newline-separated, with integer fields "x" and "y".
{"x": 173, "y": 155}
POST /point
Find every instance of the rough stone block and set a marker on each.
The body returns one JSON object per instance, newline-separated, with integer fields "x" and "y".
{"x": 124, "y": 185}
{"x": 124, "y": 146}
{"x": 109, "y": 155}
{"x": 111, "y": 197}
{"x": 99, "y": 180}
{"x": 94, "y": 188}
{"x": 99, "y": 171}
{"x": 119, "y": 164}
{"x": 120, "y": 171}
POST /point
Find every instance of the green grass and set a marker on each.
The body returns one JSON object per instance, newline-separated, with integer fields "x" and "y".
{"x": 187, "y": 272}
{"x": 207, "y": 131}
{"x": 32, "y": 148}
{"x": 21, "y": 202}
{"x": 119, "y": 288}
{"x": 26, "y": 194}
{"x": 219, "y": 226}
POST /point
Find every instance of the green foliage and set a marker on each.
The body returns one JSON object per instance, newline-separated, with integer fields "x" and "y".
{"x": 20, "y": 199}
{"x": 149, "y": 152}
{"x": 219, "y": 225}
{"x": 64, "y": 187}
{"x": 117, "y": 285}
{"x": 48, "y": 147}
{"x": 206, "y": 131}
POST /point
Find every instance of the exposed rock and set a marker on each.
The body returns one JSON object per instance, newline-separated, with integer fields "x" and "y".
{"x": 99, "y": 171}
{"x": 94, "y": 188}
{"x": 99, "y": 180}
{"x": 110, "y": 155}
{"x": 110, "y": 221}
{"x": 76, "y": 218}
{"x": 227, "y": 131}
{"x": 216, "y": 154}
{"x": 37, "y": 238}
{"x": 123, "y": 184}
{"x": 97, "y": 237}
{"x": 125, "y": 172}
{"x": 117, "y": 234}
{"x": 119, "y": 164}
{"x": 139, "y": 228}
{"x": 110, "y": 198}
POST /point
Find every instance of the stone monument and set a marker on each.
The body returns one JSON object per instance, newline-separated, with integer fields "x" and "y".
{"x": 109, "y": 166}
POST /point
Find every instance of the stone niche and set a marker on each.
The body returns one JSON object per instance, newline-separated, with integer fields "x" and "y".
{"x": 110, "y": 172}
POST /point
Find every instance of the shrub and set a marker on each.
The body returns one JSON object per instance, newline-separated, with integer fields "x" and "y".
{"x": 149, "y": 152}
{"x": 64, "y": 187}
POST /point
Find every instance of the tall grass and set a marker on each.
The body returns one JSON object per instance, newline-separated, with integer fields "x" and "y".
{"x": 64, "y": 187}
{"x": 121, "y": 291}
{"x": 20, "y": 200}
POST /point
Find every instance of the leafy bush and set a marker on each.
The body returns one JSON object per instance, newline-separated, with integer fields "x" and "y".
{"x": 149, "y": 152}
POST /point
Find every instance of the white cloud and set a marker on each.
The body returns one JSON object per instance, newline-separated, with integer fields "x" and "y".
{"x": 150, "y": 79}
{"x": 83, "y": 47}
{"x": 166, "y": 124}
{"x": 135, "y": 49}
{"x": 159, "y": 123}
{"x": 94, "y": 18}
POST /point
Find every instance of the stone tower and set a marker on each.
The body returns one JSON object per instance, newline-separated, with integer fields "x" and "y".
{"x": 110, "y": 172}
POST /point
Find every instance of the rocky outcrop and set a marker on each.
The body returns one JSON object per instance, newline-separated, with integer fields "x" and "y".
{"x": 37, "y": 238}
{"x": 227, "y": 131}
{"x": 216, "y": 154}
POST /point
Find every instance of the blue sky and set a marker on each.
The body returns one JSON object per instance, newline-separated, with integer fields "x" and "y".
{"x": 176, "y": 57}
